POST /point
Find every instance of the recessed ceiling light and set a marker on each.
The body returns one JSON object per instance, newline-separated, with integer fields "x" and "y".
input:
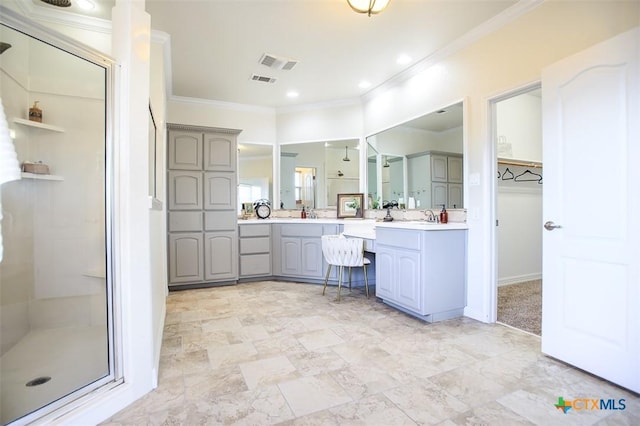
{"x": 403, "y": 59}
{"x": 292, "y": 94}
{"x": 86, "y": 4}
{"x": 364, "y": 84}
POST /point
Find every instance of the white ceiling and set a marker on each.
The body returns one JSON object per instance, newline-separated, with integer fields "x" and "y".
{"x": 216, "y": 45}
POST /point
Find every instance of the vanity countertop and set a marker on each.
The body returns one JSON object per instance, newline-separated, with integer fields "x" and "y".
{"x": 362, "y": 227}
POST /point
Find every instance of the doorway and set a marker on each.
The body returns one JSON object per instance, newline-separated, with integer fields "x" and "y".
{"x": 517, "y": 132}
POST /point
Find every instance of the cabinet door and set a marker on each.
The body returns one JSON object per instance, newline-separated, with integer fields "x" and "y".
{"x": 408, "y": 280}
{"x": 219, "y": 191}
{"x": 311, "y": 265}
{"x": 385, "y": 276}
{"x": 220, "y": 153}
{"x": 220, "y": 256}
{"x": 185, "y": 190}
{"x": 438, "y": 168}
{"x": 185, "y": 150}
{"x": 185, "y": 258}
{"x": 455, "y": 195}
{"x": 439, "y": 194}
{"x": 454, "y": 169}
{"x": 290, "y": 256}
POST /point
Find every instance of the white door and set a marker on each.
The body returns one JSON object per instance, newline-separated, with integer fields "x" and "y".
{"x": 591, "y": 279}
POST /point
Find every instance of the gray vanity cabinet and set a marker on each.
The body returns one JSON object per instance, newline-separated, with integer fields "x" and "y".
{"x": 202, "y": 195}
{"x": 422, "y": 272}
{"x": 298, "y": 250}
{"x": 255, "y": 250}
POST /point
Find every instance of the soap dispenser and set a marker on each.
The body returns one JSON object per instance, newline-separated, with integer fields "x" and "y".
{"x": 444, "y": 216}
{"x": 303, "y": 213}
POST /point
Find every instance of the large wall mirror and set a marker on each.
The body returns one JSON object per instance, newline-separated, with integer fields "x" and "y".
{"x": 313, "y": 174}
{"x": 255, "y": 173}
{"x": 418, "y": 164}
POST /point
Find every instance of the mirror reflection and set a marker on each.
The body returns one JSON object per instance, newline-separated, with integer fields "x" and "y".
{"x": 418, "y": 164}
{"x": 313, "y": 174}
{"x": 255, "y": 173}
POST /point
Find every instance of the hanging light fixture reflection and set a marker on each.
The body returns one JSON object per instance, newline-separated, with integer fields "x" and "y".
{"x": 386, "y": 162}
{"x": 368, "y": 6}
{"x": 346, "y": 154}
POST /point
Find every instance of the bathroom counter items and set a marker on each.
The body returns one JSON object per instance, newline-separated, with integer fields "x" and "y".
{"x": 363, "y": 225}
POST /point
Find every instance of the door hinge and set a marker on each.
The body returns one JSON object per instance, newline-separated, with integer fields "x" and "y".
{"x": 497, "y": 222}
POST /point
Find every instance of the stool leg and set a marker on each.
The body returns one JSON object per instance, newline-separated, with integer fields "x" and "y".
{"x": 366, "y": 281}
{"x": 340, "y": 281}
{"x": 349, "y": 278}
{"x": 326, "y": 278}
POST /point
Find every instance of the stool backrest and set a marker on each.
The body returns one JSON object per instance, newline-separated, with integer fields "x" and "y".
{"x": 341, "y": 251}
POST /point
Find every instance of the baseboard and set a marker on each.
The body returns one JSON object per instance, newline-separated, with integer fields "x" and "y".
{"x": 519, "y": 278}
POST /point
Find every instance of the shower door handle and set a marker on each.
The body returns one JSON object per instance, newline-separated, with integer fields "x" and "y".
{"x": 550, "y": 226}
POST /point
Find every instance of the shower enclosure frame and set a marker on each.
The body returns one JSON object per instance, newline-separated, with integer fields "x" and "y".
{"x": 61, "y": 406}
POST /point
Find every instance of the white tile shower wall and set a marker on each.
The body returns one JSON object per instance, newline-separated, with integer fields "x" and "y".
{"x": 14, "y": 324}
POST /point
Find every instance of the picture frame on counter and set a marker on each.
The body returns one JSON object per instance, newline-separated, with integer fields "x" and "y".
{"x": 350, "y": 205}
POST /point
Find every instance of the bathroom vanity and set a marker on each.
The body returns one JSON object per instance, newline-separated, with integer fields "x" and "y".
{"x": 421, "y": 268}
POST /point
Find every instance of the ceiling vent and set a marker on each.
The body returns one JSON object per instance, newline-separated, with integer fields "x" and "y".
{"x": 277, "y": 62}
{"x": 262, "y": 78}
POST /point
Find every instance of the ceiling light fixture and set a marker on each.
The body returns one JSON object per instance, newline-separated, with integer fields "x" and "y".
{"x": 386, "y": 162}
{"x": 59, "y": 3}
{"x": 292, "y": 94}
{"x": 364, "y": 84}
{"x": 86, "y": 4}
{"x": 403, "y": 59}
{"x": 346, "y": 154}
{"x": 368, "y": 6}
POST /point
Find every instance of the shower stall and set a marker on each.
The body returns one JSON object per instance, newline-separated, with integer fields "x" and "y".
{"x": 56, "y": 298}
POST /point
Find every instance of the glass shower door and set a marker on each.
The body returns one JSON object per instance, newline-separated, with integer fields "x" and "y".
{"x": 55, "y": 283}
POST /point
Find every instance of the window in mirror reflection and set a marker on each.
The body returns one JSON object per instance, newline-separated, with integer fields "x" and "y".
{"x": 418, "y": 164}
{"x": 255, "y": 173}
{"x": 314, "y": 173}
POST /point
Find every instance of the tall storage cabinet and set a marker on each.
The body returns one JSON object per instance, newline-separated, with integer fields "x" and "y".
{"x": 202, "y": 195}
{"x": 435, "y": 178}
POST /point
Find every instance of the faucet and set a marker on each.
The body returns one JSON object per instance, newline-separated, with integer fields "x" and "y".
{"x": 431, "y": 217}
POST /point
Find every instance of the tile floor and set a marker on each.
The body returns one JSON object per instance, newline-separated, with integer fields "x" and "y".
{"x": 280, "y": 353}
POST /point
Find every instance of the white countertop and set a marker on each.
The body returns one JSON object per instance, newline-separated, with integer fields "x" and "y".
{"x": 364, "y": 228}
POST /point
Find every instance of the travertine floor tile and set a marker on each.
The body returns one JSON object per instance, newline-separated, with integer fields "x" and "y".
{"x": 280, "y": 353}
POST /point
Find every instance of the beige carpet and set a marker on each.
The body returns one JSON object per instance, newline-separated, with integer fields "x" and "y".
{"x": 520, "y": 306}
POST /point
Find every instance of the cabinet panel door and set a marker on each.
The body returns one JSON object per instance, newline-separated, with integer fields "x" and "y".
{"x": 219, "y": 191}
{"x": 408, "y": 280}
{"x": 290, "y": 256}
{"x": 455, "y": 195}
{"x": 220, "y": 153}
{"x": 220, "y": 254}
{"x": 185, "y": 258}
{"x": 185, "y": 190}
{"x": 311, "y": 257}
{"x": 438, "y": 168}
{"x": 185, "y": 150}
{"x": 385, "y": 277}
{"x": 439, "y": 194}
{"x": 454, "y": 169}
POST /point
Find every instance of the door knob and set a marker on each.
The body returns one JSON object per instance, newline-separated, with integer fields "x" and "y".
{"x": 550, "y": 226}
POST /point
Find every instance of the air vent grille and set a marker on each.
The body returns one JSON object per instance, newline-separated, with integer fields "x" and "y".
{"x": 262, "y": 78}
{"x": 277, "y": 62}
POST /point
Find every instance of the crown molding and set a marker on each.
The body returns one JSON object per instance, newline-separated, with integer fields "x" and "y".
{"x": 505, "y": 17}
{"x": 59, "y": 17}
{"x": 320, "y": 105}
{"x": 232, "y": 106}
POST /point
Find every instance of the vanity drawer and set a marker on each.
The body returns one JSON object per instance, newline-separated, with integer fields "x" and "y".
{"x": 255, "y": 264}
{"x": 255, "y": 245}
{"x": 255, "y": 230}
{"x": 185, "y": 221}
{"x": 220, "y": 221}
{"x": 402, "y": 238}
{"x": 301, "y": 230}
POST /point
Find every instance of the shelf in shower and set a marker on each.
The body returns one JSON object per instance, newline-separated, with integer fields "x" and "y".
{"x": 41, "y": 177}
{"x": 37, "y": 125}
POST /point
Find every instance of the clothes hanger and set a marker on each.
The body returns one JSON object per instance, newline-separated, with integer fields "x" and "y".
{"x": 508, "y": 176}
{"x": 528, "y": 176}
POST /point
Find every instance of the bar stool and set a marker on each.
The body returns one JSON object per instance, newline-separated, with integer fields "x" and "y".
{"x": 341, "y": 251}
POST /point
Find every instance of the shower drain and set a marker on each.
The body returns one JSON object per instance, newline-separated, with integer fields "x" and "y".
{"x": 38, "y": 381}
